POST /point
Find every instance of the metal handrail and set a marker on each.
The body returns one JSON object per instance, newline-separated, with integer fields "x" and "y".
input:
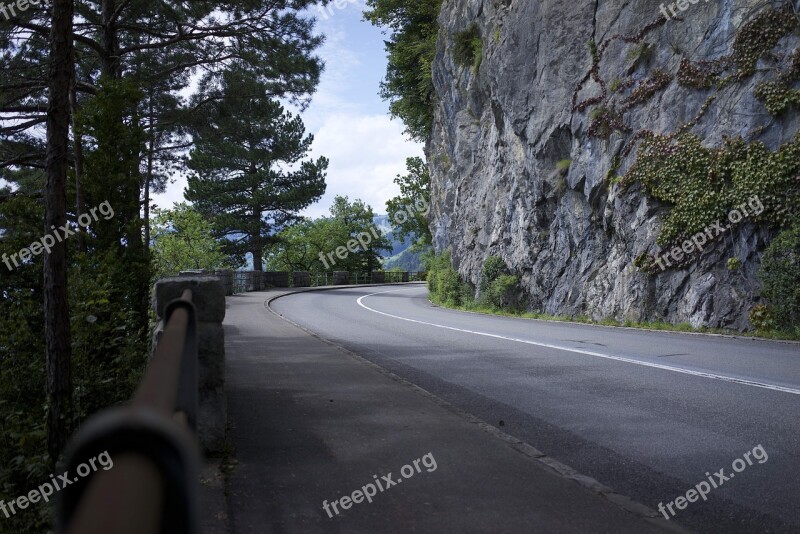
{"x": 152, "y": 487}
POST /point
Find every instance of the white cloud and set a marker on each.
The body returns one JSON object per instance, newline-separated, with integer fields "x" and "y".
{"x": 366, "y": 152}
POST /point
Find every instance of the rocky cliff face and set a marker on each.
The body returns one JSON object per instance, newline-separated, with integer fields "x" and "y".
{"x": 504, "y": 131}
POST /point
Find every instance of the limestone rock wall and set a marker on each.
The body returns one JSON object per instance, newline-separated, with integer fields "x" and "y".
{"x": 572, "y": 237}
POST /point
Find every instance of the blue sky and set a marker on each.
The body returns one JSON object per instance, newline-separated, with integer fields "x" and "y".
{"x": 349, "y": 121}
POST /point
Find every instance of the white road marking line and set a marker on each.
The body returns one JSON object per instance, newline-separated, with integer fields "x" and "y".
{"x": 702, "y": 374}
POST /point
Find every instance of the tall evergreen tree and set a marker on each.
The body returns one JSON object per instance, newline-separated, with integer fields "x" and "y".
{"x": 250, "y": 178}
{"x": 56, "y": 309}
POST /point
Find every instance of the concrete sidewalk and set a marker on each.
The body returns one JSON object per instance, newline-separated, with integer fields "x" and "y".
{"x": 312, "y": 423}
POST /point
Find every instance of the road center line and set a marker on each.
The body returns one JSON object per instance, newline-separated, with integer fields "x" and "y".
{"x": 702, "y": 374}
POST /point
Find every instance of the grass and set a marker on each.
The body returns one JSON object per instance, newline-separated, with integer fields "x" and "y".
{"x": 652, "y": 325}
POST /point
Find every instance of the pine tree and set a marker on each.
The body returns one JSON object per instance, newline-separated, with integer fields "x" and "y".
{"x": 250, "y": 177}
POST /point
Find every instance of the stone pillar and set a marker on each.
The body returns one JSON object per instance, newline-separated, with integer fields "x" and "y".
{"x": 341, "y": 278}
{"x": 248, "y": 281}
{"x": 301, "y": 279}
{"x": 208, "y": 295}
{"x": 227, "y": 279}
{"x": 378, "y": 277}
{"x": 276, "y": 279}
{"x": 258, "y": 281}
{"x": 406, "y": 276}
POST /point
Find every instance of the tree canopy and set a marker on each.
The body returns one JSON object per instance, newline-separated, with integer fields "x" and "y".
{"x": 306, "y": 246}
{"x": 250, "y": 176}
{"x": 182, "y": 241}
{"x": 411, "y": 47}
{"x": 409, "y": 211}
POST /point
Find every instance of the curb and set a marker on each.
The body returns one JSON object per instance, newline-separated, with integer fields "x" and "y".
{"x": 635, "y": 508}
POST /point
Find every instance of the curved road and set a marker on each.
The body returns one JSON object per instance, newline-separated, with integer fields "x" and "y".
{"x": 651, "y": 414}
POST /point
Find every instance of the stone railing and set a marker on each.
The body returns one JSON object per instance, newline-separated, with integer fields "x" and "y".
{"x": 248, "y": 281}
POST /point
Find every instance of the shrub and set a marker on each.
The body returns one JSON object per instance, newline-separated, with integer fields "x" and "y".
{"x": 444, "y": 283}
{"x": 761, "y": 318}
{"x": 642, "y": 53}
{"x": 493, "y": 267}
{"x": 498, "y": 288}
{"x": 502, "y": 292}
{"x": 468, "y": 47}
{"x": 780, "y": 274}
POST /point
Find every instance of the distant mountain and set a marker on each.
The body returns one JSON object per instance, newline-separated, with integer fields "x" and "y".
{"x": 400, "y": 256}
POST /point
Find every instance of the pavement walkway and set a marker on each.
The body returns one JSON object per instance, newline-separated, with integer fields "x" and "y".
{"x": 312, "y": 423}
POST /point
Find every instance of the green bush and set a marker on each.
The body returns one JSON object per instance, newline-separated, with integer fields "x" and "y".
{"x": 498, "y": 289}
{"x": 502, "y": 292}
{"x": 493, "y": 267}
{"x": 468, "y": 47}
{"x": 444, "y": 283}
{"x": 761, "y": 318}
{"x": 734, "y": 264}
{"x": 780, "y": 274}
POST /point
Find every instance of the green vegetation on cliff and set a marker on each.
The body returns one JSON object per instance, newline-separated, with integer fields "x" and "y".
{"x": 411, "y": 47}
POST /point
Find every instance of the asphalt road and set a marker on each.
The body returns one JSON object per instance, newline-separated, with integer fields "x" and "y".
{"x": 646, "y": 413}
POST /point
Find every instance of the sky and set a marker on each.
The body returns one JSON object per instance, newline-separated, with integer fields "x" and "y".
{"x": 348, "y": 119}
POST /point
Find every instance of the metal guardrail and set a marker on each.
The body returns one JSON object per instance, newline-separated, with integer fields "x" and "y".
{"x": 152, "y": 487}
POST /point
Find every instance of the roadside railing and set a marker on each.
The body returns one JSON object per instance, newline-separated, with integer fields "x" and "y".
{"x": 237, "y": 282}
{"x": 152, "y": 487}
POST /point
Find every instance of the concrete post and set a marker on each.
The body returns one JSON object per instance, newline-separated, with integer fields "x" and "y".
{"x": 208, "y": 294}
{"x": 227, "y": 279}
{"x": 276, "y": 279}
{"x": 258, "y": 280}
{"x": 341, "y": 278}
{"x": 249, "y": 285}
{"x": 302, "y": 279}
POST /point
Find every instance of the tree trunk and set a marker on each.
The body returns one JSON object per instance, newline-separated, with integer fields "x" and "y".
{"x": 56, "y": 306}
{"x": 257, "y": 252}
{"x": 255, "y": 239}
{"x": 77, "y": 140}
{"x": 151, "y": 146}
{"x": 111, "y": 59}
